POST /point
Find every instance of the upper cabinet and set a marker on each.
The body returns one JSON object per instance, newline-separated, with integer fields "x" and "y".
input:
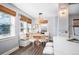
{"x": 75, "y": 22}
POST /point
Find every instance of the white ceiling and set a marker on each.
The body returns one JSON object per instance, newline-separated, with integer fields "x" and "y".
{"x": 33, "y": 9}
{"x": 74, "y": 9}
{"x": 48, "y": 9}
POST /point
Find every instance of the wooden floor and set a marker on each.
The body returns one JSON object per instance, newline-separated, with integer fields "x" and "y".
{"x": 29, "y": 50}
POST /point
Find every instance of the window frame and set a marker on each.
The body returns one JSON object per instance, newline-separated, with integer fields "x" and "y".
{"x": 12, "y": 27}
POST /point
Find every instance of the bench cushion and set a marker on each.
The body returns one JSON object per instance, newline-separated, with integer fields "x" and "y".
{"x": 49, "y": 44}
{"x": 48, "y": 50}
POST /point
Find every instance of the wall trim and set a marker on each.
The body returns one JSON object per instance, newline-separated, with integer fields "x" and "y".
{"x": 10, "y": 51}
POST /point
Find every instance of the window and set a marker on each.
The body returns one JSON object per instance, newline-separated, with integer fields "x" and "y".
{"x": 29, "y": 28}
{"x": 44, "y": 28}
{"x": 23, "y": 27}
{"x": 76, "y": 27}
{"x": 7, "y": 25}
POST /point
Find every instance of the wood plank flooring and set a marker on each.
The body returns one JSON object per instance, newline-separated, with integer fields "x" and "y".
{"x": 29, "y": 50}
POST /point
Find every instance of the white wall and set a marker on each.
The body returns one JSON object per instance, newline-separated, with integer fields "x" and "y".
{"x": 52, "y": 26}
{"x": 63, "y": 24}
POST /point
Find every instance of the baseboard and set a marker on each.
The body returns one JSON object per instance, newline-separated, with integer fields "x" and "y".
{"x": 10, "y": 51}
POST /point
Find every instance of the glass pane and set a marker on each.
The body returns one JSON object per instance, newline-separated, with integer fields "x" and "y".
{"x": 23, "y": 27}
{"x": 76, "y": 31}
{"x": 4, "y": 23}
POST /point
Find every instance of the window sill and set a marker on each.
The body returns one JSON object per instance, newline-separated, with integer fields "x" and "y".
{"x": 6, "y": 38}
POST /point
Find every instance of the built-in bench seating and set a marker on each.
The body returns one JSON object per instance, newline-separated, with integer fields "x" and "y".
{"x": 24, "y": 43}
{"x": 48, "y": 50}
